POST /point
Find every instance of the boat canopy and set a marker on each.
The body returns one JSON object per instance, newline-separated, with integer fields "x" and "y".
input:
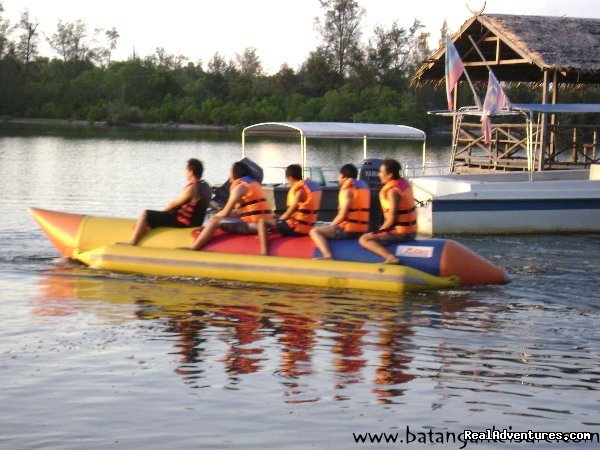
{"x": 517, "y": 108}
{"x": 333, "y": 130}
{"x": 561, "y": 108}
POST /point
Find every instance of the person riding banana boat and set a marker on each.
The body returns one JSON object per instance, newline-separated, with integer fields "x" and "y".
{"x": 245, "y": 207}
{"x": 188, "y": 210}
{"x": 303, "y": 203}
{"x": 399, "y": 213}
{"x": 352, "y": 219}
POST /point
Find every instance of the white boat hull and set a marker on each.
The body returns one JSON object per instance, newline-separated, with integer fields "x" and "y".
{"x": 559, "y": 202}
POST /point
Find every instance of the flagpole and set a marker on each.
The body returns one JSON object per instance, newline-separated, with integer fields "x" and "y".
{"x": 479, "y": 52}
{"x": 475, "y": 96}
{"x": 477, "y": 101}
{"x": 485, "y": 118}
{"x": 481, "y": 56}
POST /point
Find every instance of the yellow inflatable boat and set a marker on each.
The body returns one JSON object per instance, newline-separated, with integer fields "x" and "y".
{"x": 426, "y": 263}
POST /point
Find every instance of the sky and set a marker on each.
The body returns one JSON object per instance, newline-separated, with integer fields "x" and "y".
{"x": 282, "y": 31}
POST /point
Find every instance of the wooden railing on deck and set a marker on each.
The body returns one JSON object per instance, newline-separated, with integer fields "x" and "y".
{"x": 569, "y": 147}
{"x": 572, "y": 146}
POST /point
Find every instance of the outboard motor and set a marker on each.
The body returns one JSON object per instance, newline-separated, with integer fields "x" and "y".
{"x": 221, "y": 193}
{"x": 369, "y": 172}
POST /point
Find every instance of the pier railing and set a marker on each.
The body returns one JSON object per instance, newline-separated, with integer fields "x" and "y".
{"x": 567, "y": 147}
{"x": 409, "y": 171}
{"x": 572, "y": 146}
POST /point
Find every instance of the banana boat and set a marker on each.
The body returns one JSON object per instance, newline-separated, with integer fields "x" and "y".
{"x": 426, "y": 264}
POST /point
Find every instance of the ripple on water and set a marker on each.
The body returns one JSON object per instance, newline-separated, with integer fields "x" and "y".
{"x": 453, "y": 352}
{"x": 97, "y": 359}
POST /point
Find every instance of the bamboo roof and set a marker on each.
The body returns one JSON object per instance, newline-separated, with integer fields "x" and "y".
{"x": 521, "y": 48}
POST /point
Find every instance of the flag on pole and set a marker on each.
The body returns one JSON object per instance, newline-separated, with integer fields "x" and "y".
{"x": 454, "y": 69}
{"x": 495, "y": 100}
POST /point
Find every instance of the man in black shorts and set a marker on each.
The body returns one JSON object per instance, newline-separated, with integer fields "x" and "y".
{"x": 352, "y": 219}
{"x": 186, "y": 211}
{"x": 303, "y": 203}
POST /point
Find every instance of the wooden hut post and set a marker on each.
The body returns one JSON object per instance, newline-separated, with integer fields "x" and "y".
{"x": 552, "y": 148}
{"x": 574, "y": 146}
{"x": 455, "y": 122}
{"x": 595, "y": 144}
{"x": 544, "y": 122}
{"x": 455, "y": 118}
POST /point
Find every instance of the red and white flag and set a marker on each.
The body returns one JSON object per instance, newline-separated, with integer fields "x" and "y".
{"x": 454, "y": 69}
{"x": 495, "y": 101}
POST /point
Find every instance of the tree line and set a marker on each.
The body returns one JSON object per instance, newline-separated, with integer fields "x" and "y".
{"x": 343, "y": 79}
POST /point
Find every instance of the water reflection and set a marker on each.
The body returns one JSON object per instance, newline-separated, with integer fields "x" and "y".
{"x": 348, "y": 360}
{"x": 211, "y": 359}
{"x": 243, "y": 325}
{"x": 312, "y": 345}
{"x": 297, "y": 336}
{"x": 395, "y": 360}
{"x": 266, "y": 329}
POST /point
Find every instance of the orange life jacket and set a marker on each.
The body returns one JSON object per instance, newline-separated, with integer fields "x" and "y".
{"x": 303, "y": 219}
{"x": 192, "y": 213}
{"x": 357, "y": 218}
{"x": 406, "y": 215}
{"x": 253, "y": 205}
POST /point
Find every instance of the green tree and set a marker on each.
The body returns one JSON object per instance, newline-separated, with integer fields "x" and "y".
{"x": 6, "y": 46}
{"x": 391, "y": 48}
{"x": 112, "y": 37}
{"x": 421, "y": 51}
{"x": 339, "y": 80}
{"x": 392, "y": 52}
{"x": 248, "y": 63}
{"x": 165, "y": 60}
{"x": 444, "y": 31}
{"x": 27, "y": 45}
{"x": 216, "y": 77}
{"x": 128, "y": 82}
{"x": 285, "y": 81}
{"x": 340, "y": 31}
{"x": 341, "y": 105}
{"x": 318, "y": 73}
{"x": 70, "y": 42}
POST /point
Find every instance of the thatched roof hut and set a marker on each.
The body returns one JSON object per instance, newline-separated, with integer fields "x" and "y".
{"x": 522, "y": 48}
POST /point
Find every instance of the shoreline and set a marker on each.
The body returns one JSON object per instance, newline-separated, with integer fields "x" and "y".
{"x": 438, "y": 131}
{"x": 105, "y": 124}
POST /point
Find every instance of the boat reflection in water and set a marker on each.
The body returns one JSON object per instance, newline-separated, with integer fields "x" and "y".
{"x": 222, "y": 333}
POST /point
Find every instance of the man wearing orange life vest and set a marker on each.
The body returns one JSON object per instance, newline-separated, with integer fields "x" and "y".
{"x": 303, "y": 203}
{"x": 352, "y": 219}
{"x": 399, "y": 214}
{"x": 186, "y": 211}
{"x": 244, "y": 208}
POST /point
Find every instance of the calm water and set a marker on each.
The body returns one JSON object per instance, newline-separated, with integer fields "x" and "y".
{"x": 96, "y": 360}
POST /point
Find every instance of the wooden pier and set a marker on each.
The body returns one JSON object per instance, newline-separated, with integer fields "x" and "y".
{"x": 569, "y": 147}
{"x": 544, "y": 52}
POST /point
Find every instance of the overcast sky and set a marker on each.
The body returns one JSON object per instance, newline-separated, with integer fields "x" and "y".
{"x": 282, "y": 31}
